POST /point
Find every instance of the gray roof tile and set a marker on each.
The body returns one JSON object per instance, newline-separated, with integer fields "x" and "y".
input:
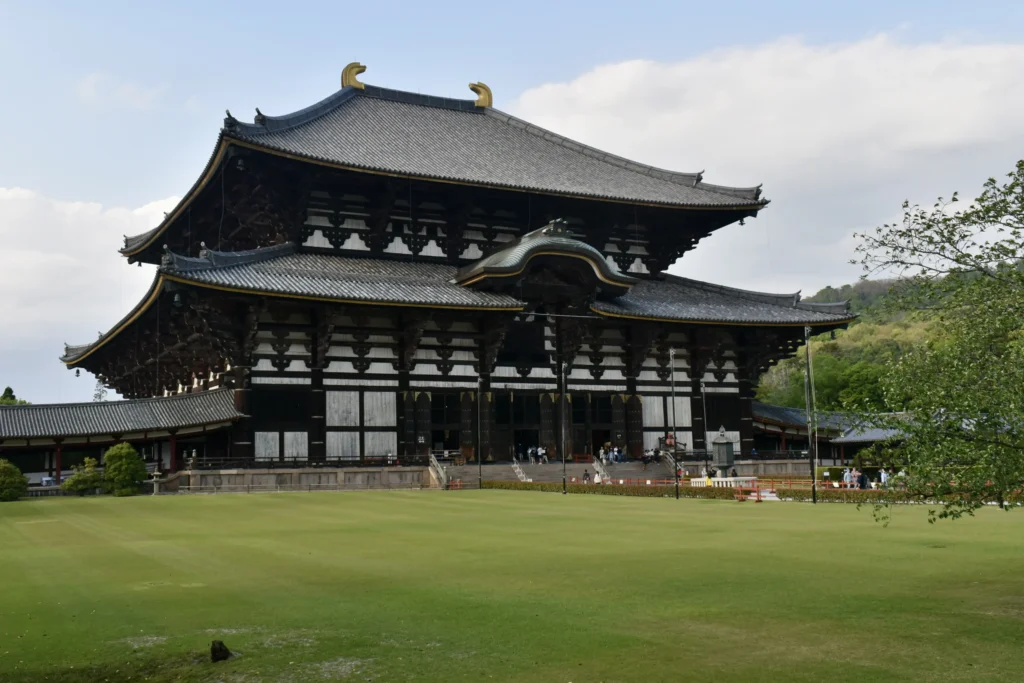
{"x": 428, "y": 137}
{"x": 117, "y": 417}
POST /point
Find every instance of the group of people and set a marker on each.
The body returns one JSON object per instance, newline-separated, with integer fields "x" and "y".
{"x": 537, "y": 455}
{"x": 611, "y": 455}
{"x": 854, "y": 478}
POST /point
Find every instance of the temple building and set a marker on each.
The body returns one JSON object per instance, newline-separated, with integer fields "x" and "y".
{"x": 385, "y": 273}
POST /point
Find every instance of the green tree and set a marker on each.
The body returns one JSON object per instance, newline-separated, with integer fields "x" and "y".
{"x": 123, "y": 470}
{"x": 9, "y": 399}
{"x": 961, "y": 394}
{"x": 13, "y": 484}
{"x": 85, "y": 479}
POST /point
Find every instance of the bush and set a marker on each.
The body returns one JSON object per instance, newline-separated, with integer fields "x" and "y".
{"x": 123, "y": 470}
{"x": 13, "y": 484}
{"x": 85, "y": 479}
{"x": 614, "y": 490}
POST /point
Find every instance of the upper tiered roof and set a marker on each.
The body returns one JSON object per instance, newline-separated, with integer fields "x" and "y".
{"x": 392, "y": 132}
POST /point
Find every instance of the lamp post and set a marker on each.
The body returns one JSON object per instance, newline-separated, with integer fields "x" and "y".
{"x": 479, "y": 435}
{"x": 808, "y": 404}
{"x": 561, "y": 416}
{"x": 704, "y": 408}
{"x": 675, "y": 465}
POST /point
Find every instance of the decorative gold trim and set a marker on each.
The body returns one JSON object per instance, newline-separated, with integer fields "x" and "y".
{"x": 484, "y": 96}
{"x": 349, "y": 73}
{"x": 722, "y": 324}
{"x": 593, "y": 265}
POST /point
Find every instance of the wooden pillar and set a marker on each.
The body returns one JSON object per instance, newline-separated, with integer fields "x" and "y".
{"x": 423, "y": 444}
{"x": 619, "y": 422}
{"x": 174, "y": 453}
{"x": 467, "y": 424}
{"x": 56, "y": 461}
{"x": 746, "y": 417}
{"x": 242, "y": 431}
{"x": 635, "y": 425}
{"x": 548, "y": 420}
{"x": 697, "y": 425}
{"x": 783, "y": 445}
{"x": 318, "y": 415}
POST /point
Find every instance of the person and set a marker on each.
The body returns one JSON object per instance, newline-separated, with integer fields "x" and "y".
{"x": 519, "y": 451}
{"x": 847, "y": 477}
{"x": 601, "y": 456}
{"x": 733, "y": 473}
{"x": 862, "y": 481}
{"x": 646, "y": 459}
{"x": 883, "y": 478}
{"x": 586, "y": 477}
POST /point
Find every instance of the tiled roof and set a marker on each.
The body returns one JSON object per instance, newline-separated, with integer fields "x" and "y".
{"x": 117, "y": 417}
{"x": 285, "y": 271}
{"x": 865, "y": 434}
{"x": 797, "y": 417}
{"x": 433, "y": 137}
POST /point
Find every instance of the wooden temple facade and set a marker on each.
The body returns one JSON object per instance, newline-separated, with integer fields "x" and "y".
{"x": 386, "y": 273}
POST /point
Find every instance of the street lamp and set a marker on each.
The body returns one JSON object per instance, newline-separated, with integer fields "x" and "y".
{"x": 479, "y": 435}
{"x": 565, "y": 366}
{"x": 675, "y": 465}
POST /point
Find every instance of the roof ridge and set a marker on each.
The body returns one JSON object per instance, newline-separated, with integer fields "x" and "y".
{"x": 764, "y": 297}
{"x": 118, "y": 402}
{"x": 678, "y": 177}
{"x": 264, "y": 124}
{"x": 210, "y": 258}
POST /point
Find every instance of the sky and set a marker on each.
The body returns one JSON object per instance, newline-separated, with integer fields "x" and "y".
{"x": 842, "y": 110}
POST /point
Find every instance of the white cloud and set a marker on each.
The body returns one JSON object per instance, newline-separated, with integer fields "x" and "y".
{"x": 839, "y": 135}
{"x": 103, "y": 90}
{"x": 63, "y": 280}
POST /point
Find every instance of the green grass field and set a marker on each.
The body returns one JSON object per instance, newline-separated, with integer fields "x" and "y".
{"x": 503, "y": 586}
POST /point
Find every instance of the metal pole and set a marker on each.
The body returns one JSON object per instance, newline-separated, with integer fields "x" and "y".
{"x": 808, "y": 409}
{"x": 479, "y": 436}
{"x": 561, "y": 416}
{"x": 704, "y": 407}
{"x": 675, "y": 465}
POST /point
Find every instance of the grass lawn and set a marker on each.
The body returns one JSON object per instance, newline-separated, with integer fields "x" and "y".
{"x": 503, "y": 586}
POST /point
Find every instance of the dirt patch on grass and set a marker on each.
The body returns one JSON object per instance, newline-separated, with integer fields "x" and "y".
{"x": 291, "y": 639}
{"x": 138, "y": 642}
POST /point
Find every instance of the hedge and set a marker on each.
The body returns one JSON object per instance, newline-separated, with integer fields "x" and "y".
{"x": 615, "y": 490}
{"x": 872, "y": 496}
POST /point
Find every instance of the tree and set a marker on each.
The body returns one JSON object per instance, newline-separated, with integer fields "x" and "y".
{"x": 13, "y": 484}
{"x": 100, "y": 392}
{"x": 9, "y": 399}
{"x": 85, "y": 479}
{"x": 961, "y": 394}
{"x": 123, "y": 470}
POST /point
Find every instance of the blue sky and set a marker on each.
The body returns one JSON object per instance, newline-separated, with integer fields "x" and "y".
{"x": 842, "y": 110}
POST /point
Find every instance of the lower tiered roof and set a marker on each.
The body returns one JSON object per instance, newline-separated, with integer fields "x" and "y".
{"x": 120, "y": 418}
{"x": 287, "y": 272}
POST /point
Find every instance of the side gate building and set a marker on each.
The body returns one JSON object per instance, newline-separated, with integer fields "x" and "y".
{"x": 384, "y": 273}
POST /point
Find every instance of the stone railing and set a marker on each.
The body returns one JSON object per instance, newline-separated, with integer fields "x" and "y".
{"x": 724, "y": 482}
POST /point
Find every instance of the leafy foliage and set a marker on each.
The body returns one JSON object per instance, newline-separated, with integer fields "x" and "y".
{"x": 13, "y": 484}
{"x": 848, "y": 370}
{"x": 123, "y": 470}
{"x": 9, "y": 399}
{"x": 961, "y": 394}
{"x": 86, "y": 479}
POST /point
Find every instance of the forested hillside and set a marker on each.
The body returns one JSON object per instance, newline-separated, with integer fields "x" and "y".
{"x": 848, "y": 368}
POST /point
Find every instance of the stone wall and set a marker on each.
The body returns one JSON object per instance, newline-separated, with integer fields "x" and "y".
{"x": 305, "y": 479}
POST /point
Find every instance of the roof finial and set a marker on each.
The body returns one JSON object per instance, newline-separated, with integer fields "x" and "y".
{"x": 349, "y": 73}
{"x": 484, "y": 96}
{"x": 260, "y": 117}
{"x": 229, "y": 120}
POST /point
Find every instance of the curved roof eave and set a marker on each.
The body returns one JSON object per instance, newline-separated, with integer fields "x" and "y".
{"x": 75, "y": 354}
{"x": 136, "y": 244}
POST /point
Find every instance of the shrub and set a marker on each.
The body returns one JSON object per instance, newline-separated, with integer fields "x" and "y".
{"x": 614, "y": 490}
{"x": 13, "y": 484}
{"x": 85, "y": 479}
{"x": 123, "y": 470}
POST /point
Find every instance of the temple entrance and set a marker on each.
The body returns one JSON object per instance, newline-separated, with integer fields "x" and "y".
{"x": 599, "y": 438}
{"x": 444, "y": 439}
{"x": 524, "y": 439}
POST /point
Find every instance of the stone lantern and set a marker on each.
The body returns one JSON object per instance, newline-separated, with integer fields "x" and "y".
{"x": 722, "y": 452}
